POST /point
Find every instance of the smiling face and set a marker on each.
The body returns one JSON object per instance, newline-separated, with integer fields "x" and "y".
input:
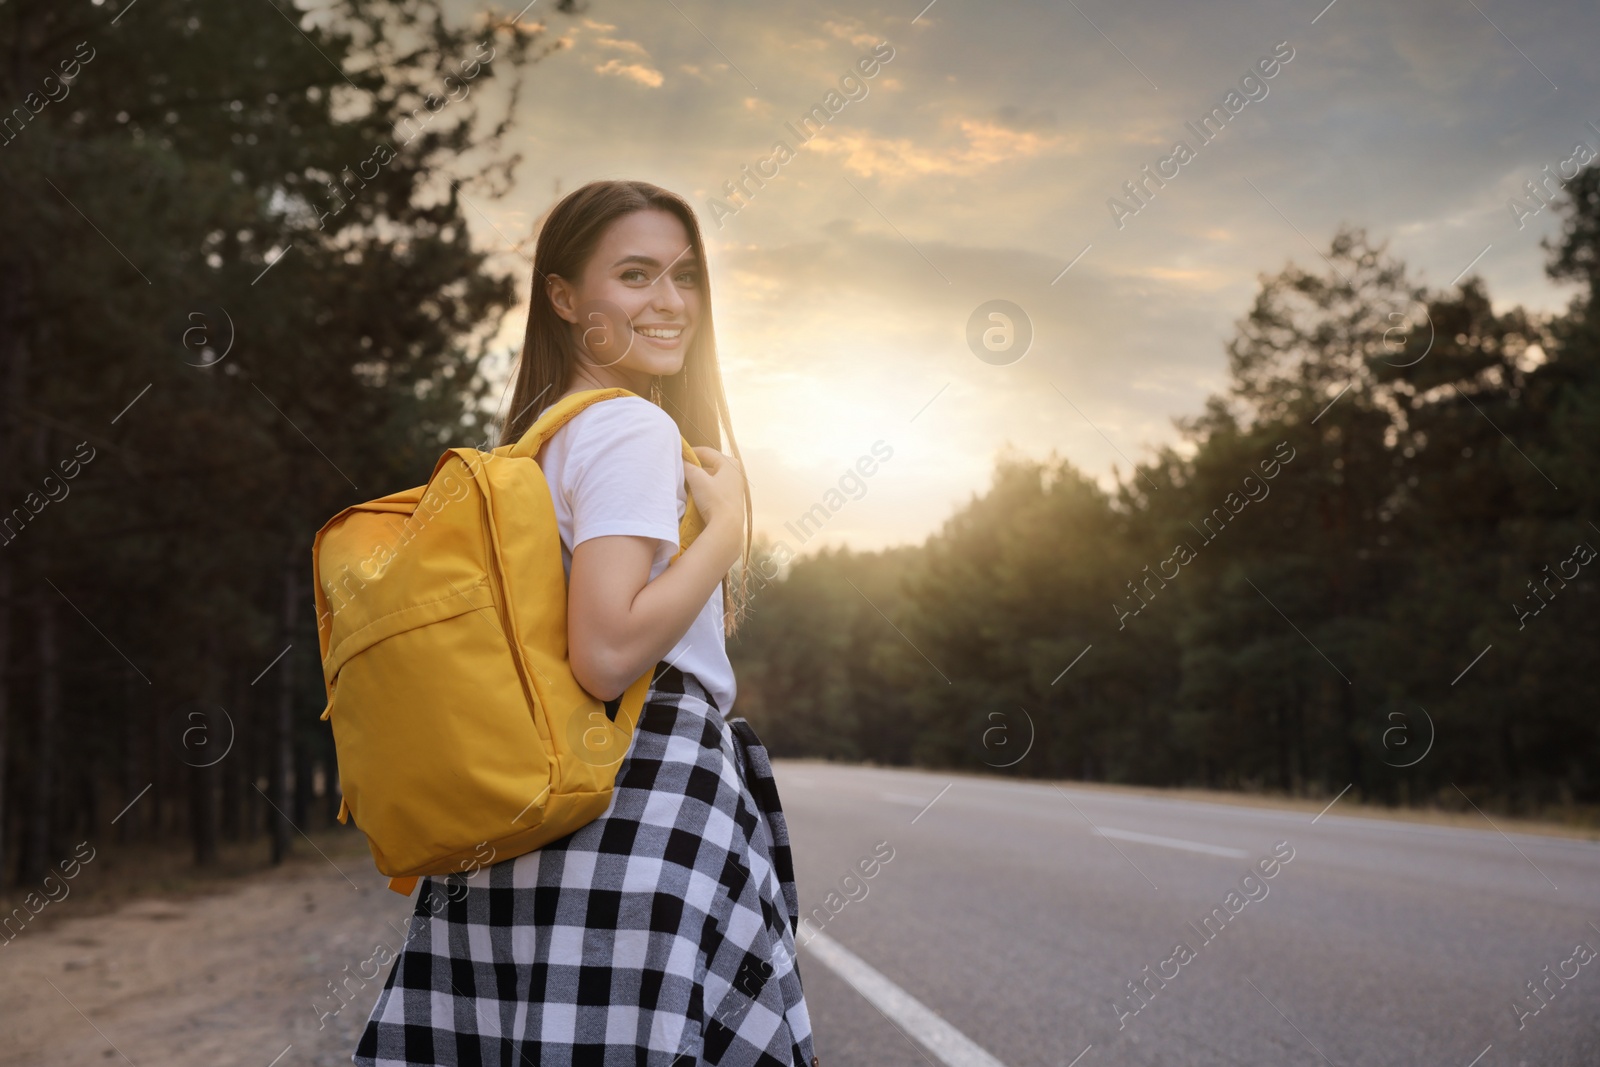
{"x": 636, "y": 307}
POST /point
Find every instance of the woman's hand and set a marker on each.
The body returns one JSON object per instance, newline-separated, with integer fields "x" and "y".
{"x": 718, "y": 490}
{"x": 717, "y": 485}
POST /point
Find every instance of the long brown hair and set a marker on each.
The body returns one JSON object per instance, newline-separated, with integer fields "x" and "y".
{"x": 550, "y": 356}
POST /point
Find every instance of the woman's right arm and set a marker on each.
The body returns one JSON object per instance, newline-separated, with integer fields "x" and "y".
{"x": 619, "y": 622}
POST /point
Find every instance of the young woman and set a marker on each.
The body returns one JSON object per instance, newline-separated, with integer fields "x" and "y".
{"x": 661, "y": 934}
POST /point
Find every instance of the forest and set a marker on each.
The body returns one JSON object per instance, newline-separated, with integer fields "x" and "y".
{"x": 1367, "y": 564}
{"x": 237, "y": 294}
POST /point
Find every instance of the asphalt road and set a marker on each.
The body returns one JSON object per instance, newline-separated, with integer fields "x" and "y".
{"x": 1014, "y": 915}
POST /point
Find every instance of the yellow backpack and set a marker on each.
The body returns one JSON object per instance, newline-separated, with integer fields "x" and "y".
{"x": 442, "y": 620}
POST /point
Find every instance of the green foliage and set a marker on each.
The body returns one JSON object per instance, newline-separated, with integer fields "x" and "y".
{"x": 1328, "y": 607}
{"x": 237, "y": 264}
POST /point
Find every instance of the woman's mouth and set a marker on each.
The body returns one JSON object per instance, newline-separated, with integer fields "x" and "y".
{"x": 666, "y": 336}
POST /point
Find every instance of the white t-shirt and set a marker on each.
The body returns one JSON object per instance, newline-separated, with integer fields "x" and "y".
{"x": 616, "y": 467}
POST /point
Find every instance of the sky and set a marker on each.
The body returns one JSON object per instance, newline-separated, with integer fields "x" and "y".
{"x": 979, "y": 163}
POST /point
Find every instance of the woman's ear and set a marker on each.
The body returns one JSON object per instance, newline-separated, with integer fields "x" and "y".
{"x": 559, "y": 290}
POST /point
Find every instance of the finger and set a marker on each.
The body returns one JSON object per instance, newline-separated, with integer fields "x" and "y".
{"x": 697, "y": 479}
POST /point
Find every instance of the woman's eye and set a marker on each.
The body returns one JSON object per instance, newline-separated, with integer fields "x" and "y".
{"x": 627, "y": 274}
{"x": 688, "y": 277}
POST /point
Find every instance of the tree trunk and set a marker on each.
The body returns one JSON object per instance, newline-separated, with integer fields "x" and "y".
{"x": 284, "y": 726}
{"x": 204, "y": 742}
{"x": 260, "y": 756}
{"x": 89, "y": 775}
{"x": 303, "y": 772}
{"x": 1351, "y": 741}
{"x": 42, "y": 837}
{"x": 203, "y": 811}
{"x": 128, "y": 765}
{"x": 331, "y": 795}
{"x": 236, "y": 766}
{"x": 5, "y": 694}
{"x": 14, "y": 373}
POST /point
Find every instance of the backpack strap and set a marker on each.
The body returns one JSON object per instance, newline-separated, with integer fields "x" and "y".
{"x": 558, "y": 415}
{"x": 561, "y": 412}
{"x": 692, "y": 522}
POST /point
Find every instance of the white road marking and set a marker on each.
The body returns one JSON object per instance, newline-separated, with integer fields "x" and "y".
{"x": 914, "y": 1018}
{"x": 1173, "y": 842}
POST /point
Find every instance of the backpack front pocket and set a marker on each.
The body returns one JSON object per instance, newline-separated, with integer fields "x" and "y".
{"x": 451, "y": 755}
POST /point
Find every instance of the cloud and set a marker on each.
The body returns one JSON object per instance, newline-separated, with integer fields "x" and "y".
{"x": 639, "y": 70}
{"x": 987, "y": 143}
{"x": 621, "y": 45}
{"x": 852, "y": 30}
{"x": 642, "y": 73}
{"x": 995, "y": 140}
{"x": 990, "y": 142}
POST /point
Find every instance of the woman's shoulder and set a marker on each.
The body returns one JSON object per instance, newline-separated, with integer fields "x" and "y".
{"x": 625, "y": 416}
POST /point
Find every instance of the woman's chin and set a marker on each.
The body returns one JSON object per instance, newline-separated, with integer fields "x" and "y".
{"x": 664, "y": 364}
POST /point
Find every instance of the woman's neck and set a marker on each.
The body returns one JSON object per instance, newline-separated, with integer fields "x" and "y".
{"x": 607, "y": 378}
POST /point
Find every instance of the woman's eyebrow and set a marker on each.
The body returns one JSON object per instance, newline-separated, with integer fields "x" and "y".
{"x": 651, "y": 261}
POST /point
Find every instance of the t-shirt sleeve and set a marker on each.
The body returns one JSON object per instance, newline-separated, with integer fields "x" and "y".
{"x": 626, "y": 463}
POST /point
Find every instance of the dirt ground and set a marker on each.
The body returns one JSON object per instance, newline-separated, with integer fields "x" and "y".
{"x": 237, "y": 973}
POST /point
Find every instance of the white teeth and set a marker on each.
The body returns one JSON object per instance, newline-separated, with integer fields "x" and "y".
{"x": 661, "y": 333}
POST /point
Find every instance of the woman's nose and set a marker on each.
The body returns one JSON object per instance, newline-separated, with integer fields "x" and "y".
{"x": 666, "y": 296}
{"x": 669, "y": 299}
